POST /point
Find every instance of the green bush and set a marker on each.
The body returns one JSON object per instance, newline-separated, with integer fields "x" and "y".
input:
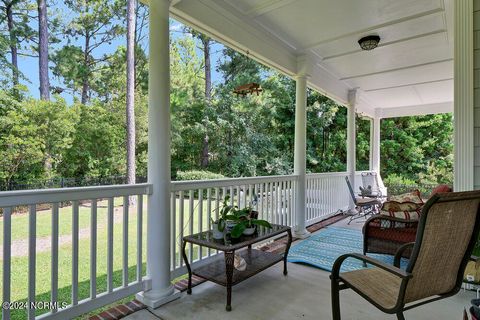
{"x": 198, "y": 175}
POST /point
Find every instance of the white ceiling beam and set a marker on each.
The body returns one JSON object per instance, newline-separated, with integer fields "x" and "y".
{"x": 435, "y": 108}
{"x": 408, "y": 85}
{"x": 375, "y": 27}
{"x": 394, "y": 69}
{"x": 267, "y": 6}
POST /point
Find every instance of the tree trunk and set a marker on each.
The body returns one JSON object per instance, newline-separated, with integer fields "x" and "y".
{"x": 13, "y": 42}
{"x": 130, "y": 108}
{"x": 85, "y": 84}
{"x": 208, "y": 93}
{"x": 43, "y": 50}
{"x": 208, "y": 67}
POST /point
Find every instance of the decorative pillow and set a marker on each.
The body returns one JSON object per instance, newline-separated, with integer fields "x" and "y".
{"x": 440, "y": 189}
{"x": 403, "y": 210}
{"x": 413, "y": 196}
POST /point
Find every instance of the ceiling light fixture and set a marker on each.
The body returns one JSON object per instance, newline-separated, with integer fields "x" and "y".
{"x": 369, "y": 42}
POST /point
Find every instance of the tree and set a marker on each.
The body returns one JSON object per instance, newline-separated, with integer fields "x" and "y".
{"x": 18, "y": 33}
{"x": 43, "y": 50}
{"x": 130, "y": 109}
{"x": 95, "y": 23}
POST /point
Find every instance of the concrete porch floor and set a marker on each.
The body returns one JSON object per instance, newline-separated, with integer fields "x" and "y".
{"x": 303, "y": 294}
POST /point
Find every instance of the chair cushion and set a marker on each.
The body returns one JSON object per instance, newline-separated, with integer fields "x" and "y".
{"x": 413, "y": 196}
{"x": 377, "y": 284}
{"x": 403, "y": 210}
{"x": 440, "y": 189}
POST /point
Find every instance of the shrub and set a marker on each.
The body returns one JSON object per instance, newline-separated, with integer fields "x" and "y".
{"x": 198, "y": 175}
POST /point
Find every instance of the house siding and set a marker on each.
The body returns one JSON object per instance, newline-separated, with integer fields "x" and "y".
{"x": 476, "y": 75}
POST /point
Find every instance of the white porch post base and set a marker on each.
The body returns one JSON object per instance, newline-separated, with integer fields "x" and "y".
{"x": 301, "y": 234}
{"x": 155, "y": 299}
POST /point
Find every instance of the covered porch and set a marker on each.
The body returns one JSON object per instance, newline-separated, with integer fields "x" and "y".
{"x": 413, "y": 71}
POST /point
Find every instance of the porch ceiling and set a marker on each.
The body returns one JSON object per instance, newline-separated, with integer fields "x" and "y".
{"x": 411, "y": 72}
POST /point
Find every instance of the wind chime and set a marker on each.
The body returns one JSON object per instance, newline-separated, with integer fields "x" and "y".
{"x": 248, "y": 88}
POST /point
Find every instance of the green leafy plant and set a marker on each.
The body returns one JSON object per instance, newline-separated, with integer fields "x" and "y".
{"x": 224, "y": 214}
{"x": 244, "y": 219}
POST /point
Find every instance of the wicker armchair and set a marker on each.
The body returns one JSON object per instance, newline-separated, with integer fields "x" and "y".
{"x": 447, "y": 232}
{"x": 384, "y": 234}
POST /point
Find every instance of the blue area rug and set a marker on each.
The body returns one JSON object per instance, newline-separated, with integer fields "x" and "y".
{"x": 322, "y": 249}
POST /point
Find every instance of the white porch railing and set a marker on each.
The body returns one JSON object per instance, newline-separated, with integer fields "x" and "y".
{"x": 325, "y": 194}
{"x": 115, "y": 289}
{"x": 195, "y": 203}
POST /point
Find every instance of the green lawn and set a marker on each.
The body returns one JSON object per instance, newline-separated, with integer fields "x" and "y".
{"x": 19, "y": 274}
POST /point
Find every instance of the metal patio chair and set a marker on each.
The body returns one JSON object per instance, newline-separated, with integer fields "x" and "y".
{"x": 447, "y": 232}
{"x": 364, "y": 206}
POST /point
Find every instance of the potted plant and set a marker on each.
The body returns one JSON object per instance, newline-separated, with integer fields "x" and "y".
{"x": 219, "y": 225}
{"x": 246, "y": 222}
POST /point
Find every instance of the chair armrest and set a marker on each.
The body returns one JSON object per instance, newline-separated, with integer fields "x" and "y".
{"x": 394, "y": 270}
{"x": 399, "y": 253}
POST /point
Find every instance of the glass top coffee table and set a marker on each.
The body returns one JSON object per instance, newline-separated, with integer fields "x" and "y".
{"x": 220, "y": 269}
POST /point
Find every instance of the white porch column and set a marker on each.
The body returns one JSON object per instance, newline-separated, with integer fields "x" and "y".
{"x": 300, "y": 155}
{"x": 463, "y": 96}
{"x": 375, "y": 145}
{"x": 351, "y": 138}
{"x": 158, "y": 224}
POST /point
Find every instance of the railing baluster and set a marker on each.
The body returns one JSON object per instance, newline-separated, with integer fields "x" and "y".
{"x": 7, "y": 243}
{"x": 93, "y": 249}
{"x": 32, "y": 255}
{"x": 269, "y": 201}
{"x": 140, "y": 237}
{"x": 173, "y": 206}
{"x": 191, "y": 216}
{"x": 232, "y": 196}
{"x": 110, "y": 222}
{"x": 289, "y": 193}
{"x": 54, "y": 258}
{"x": 209, "y": 214}
{"x": 126, "y": 207}
{"x": 239, "y": 198}
{"x": 75, "y": 230}
{"x": 283, "y": 202}
{"x": 182, "y": 212}
{"x": 200, "y": 220}
{"x": 261, "y": 198}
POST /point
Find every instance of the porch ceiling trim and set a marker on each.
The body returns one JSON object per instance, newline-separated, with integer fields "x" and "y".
{"x": 425, "y": 109}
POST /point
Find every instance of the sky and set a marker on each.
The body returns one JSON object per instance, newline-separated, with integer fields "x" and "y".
{"x": 29, "y": 65}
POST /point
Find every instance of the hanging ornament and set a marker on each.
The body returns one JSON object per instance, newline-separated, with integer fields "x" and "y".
{"x": 248, "y": 88}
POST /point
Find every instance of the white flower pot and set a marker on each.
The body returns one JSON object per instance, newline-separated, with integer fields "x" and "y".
{"x": 249, "y": 231}
{"x": 217, "y": 234}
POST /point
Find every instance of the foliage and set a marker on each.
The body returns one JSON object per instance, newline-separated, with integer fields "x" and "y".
{"x": 34, "y": 135}
{"x": 418, "y": 148}
{"x": 198, "y": 175}
{"x": 244, "y": 219}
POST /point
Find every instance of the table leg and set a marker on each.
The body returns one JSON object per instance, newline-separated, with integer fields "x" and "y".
{"x": 189, "y": 288}
{"x": 229, "y": 260}
{"x": 285, "y": 255}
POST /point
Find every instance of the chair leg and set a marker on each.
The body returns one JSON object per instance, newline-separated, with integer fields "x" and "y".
{"x": 335, "y": 300}
{"x": 400, "y": 315}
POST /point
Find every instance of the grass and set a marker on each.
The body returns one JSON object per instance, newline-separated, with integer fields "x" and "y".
{"x": 19, "y": 265}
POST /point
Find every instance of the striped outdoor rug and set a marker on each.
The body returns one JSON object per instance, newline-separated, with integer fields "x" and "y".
{"x": 322, "y": 249}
